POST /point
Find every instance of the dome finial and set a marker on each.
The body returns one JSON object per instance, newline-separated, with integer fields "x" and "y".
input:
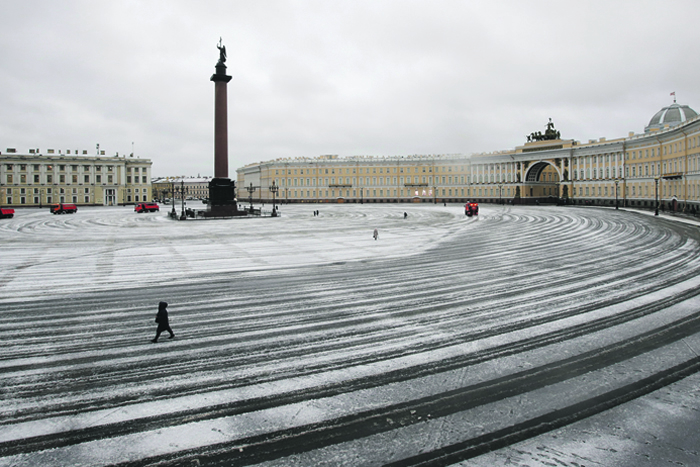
{"x": 674, "y": 96}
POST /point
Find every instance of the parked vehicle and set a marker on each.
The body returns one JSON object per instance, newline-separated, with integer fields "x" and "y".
{"x": 146, "y": 207}
{"x": 471, "y": 209}
{"x": 62, "y": 208}
{"x": 6, "y": 213}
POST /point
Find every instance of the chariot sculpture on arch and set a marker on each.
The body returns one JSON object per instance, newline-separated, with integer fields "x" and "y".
{"x": 549, "y": 134}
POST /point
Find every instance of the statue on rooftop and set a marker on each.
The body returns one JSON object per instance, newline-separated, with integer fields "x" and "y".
{"x": 549, "y": 134}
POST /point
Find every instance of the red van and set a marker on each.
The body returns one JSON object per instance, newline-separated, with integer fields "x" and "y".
{"x": 6, "y": 213}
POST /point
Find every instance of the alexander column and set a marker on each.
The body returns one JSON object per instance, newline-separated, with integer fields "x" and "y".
{"x": 222, "y": 200}
{"x": 221, "y": 80}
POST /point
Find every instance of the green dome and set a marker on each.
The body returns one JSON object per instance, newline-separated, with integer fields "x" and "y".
{"x": 673, "y": 115}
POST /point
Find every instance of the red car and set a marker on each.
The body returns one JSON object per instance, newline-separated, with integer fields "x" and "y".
{"x": 146, "y": 207}
{"x": 471, "y": 209}
{"x": 6, "y": 213}
{"x": 63, "y": 208}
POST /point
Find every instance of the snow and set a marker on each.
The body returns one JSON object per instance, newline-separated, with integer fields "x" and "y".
{"x": 39, "y": 247}
{"x": 495, "y": 271}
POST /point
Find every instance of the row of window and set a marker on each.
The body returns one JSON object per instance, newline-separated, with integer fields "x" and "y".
{"x": 144, "y": 179}
{"x": 647, "y": 191}
{"x": 635, "y": 170}
{"x": 372, "y": 181}
{"x": 62, "y": 168}
{"x": 600, "y": 158}
{"x": 356, "y": 170}
{"x": 49, "y": 178}
{"x": 49, "y": 200}
{"x": 401, "y": 193}
{"x": 50, "y": 191}
{"x": 382, "y": 181}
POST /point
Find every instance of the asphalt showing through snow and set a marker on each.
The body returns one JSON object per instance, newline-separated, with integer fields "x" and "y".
{"x": 302, "y": 341}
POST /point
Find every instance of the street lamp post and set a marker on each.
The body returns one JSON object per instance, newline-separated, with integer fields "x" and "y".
{"x": 361, "y": 196}
{"x": 617, "y": 182}
{"x": 500, "y": 192}
{"x": 250, "y": 189}
{"x": 274, "y": 189}
{"x": 183, "y": 192}
{"x": 173, "y": 213}
{"x": 656, "y": 196}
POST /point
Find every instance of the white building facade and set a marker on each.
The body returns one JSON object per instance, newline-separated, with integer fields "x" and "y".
{"x": 36, "y": 179}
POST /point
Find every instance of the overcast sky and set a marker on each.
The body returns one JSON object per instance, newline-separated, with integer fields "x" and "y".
{"x": 336, "y": 77}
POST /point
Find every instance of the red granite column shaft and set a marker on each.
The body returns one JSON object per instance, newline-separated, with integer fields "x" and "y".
{"x": 220, "y": 130}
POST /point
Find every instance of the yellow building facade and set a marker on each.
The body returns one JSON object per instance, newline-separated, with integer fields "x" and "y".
{"x": 357, "y": 179}
{"x": 662, "y": 163}
{"x": 35, "y": 179}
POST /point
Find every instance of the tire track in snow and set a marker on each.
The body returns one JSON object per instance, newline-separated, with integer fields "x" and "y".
{"x": 490, "y": 278}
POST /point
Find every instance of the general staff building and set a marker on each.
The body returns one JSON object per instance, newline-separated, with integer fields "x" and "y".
{"x": 662, "y": 162}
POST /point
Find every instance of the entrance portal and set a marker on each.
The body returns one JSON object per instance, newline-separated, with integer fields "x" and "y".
{"x": 110, "y": 197}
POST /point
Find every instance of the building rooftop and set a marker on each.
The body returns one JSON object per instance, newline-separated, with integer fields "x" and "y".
{"x": 670, "y": 116}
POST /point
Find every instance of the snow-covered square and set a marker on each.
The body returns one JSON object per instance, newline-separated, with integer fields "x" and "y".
{"x": 303, "y": 340}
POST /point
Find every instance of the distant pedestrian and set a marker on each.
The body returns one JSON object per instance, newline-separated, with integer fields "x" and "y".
{"x": 376, "y": 234}
{"x": 405, "y": 215}
{"x": 163, "y": 322}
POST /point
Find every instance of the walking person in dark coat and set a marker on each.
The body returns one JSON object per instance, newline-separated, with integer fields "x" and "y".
{"x": 162, "y": 320}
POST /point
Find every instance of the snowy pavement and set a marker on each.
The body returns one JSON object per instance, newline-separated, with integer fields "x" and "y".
{"x": 303, "y": 341}
{"x": 658, "y": 429}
